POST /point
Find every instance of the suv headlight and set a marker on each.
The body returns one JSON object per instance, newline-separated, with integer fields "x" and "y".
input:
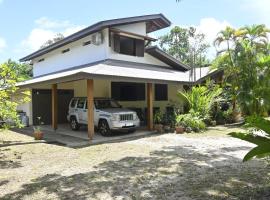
{"x": 114, "y": 117}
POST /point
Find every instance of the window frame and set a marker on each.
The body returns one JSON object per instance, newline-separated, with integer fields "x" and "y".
{"x": 138, "y": 45}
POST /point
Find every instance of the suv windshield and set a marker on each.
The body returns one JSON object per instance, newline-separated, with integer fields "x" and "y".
{"x": 106, "y": 103}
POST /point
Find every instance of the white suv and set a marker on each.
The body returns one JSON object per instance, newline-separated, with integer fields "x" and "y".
{"x": 108, "y": 115}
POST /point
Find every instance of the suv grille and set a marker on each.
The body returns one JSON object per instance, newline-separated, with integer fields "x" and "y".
{"x": 126, "y": 117}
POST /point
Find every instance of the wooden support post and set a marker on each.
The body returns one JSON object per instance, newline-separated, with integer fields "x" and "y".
{"x": 54, "y": 106}
{"x": 150, "y": 106}
{"x": 90, "y": 105}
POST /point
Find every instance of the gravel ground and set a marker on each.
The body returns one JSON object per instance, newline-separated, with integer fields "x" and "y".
{"x": 169, "y": 166}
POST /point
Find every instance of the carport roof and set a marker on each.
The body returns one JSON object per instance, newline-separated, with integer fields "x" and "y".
{"x": 114, "y": 70}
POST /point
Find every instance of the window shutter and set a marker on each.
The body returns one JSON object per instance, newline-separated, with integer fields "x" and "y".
{"x": 116, "y": 39}
{"x": 139, "y": 48}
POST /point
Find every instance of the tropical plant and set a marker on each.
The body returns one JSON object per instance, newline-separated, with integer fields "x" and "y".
{"x": 191, "y": 121}
{"x": 258, "y": 134}
{"x": 158, "y": 117}
{"x": 23, "y": 71}
{"x": 10, "y": 96}
{"x": 200, "y": 99}
{"x": 244, "y": 57}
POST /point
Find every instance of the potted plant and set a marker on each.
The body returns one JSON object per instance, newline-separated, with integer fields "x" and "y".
{"x": 38, "y": 134}
{"x": 179, "y": 126}
{"x": 166, "y": 123}
{"x": 157, "y": 122}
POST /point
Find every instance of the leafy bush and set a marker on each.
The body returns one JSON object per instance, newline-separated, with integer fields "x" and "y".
{"x": 191, "y": 121}
{"x": 158, "y": 117}
{"x": 259, "y": 134}
{"x": 169, "y": 118}
{"x": 201, "y": 99}
{"x": 10, "y": 96}
{"x": 224, "y": 117}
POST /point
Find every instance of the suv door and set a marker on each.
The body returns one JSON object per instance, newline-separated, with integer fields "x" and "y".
{"x": 81, "y": 111}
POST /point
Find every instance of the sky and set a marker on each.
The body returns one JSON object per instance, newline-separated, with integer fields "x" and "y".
{"x": 26, "y": 25}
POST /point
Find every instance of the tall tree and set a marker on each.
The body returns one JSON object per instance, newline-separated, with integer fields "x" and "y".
{"x": 187, "y": 45}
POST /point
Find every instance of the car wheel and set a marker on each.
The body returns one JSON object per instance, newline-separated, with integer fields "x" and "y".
{"x": 103, "y": 128}
{"x": 74, "y": 124}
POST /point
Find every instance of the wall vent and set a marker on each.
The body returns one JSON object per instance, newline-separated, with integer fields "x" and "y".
{"x": 65, "y": 50}
{"x": 86, "y": 43}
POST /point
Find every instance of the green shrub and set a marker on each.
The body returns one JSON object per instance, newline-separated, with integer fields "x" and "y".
{"x": 191, "y": 121}
{"x": 224, "y": 117}
{"x": 158, "y": 117}
{"x": 201, "y": 99}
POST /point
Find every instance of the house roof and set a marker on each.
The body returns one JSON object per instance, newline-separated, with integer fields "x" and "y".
{"x": 114, "y": 70}
{"x": 204, "y": 73}
{"x": 153, "y": 22}
{"x": 166, "y": 58}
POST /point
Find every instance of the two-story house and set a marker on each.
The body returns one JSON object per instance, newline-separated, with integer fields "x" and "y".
{"x": 108, "y": 59}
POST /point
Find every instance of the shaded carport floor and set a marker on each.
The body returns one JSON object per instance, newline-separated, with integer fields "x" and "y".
{"x": 76, "y": 139}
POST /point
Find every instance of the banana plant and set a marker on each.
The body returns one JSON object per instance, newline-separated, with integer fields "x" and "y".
{"x": 258, "y": 134}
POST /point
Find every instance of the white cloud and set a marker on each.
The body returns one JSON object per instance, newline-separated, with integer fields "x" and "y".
{"x": 2, "y": 43}
{"x": 211, "y": 27}
{"x": 36, "y": 38}
{"x": 46, "y": 29}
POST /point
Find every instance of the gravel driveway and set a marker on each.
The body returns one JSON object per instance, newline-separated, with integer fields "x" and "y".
{"x": 169, "y": 166}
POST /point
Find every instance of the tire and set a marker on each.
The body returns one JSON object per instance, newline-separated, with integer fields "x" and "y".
{"x": 74, "y": 125}
{"x": 103, "y": 128}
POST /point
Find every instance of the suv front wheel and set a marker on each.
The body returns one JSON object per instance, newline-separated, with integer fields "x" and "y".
{"x": 103, "y": 128}
{"x": 74, "y": 124}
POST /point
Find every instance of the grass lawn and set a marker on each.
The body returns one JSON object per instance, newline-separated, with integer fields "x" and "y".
{"x": 169, "y": 166}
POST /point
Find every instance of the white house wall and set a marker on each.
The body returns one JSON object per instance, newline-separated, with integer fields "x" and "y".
{"x": 138, "y": 28}
{"x": 27, "y": 108}
{"x": 78, "y": 55}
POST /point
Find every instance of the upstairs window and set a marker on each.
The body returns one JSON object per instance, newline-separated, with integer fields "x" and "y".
{"x": 128, "y": 46}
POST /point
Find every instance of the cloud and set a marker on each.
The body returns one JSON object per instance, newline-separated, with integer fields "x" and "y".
{"x": 211, "y": 27}
{"x": 2, "y": 43}
{"x": 36, "y": 38}
{"x": 46, "y": 29}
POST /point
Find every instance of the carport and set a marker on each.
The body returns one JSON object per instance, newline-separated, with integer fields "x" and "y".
{"x": 113, "y": 70}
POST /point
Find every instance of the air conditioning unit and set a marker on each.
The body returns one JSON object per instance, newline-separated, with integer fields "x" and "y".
{"x": 97, "y": 38}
